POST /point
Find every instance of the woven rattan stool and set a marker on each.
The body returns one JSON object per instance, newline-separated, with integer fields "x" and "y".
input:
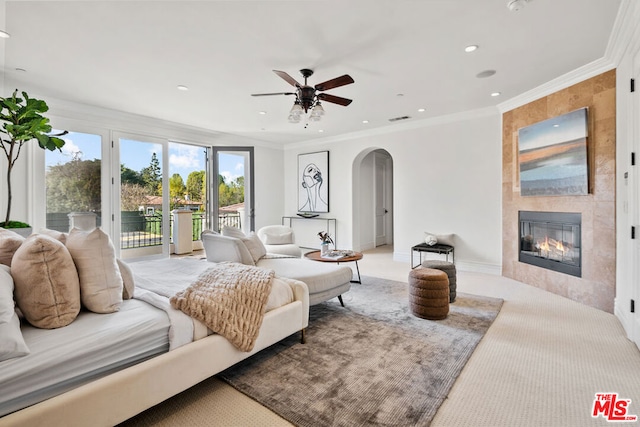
{"x": 429, "y": 293}
{"x": 450, "y": 269}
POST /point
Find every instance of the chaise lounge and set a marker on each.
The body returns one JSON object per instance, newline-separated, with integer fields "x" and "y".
{"x": 325, "y": 281}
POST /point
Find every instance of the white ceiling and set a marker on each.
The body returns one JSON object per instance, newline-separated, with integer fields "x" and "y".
{"x": 131, "y": 56}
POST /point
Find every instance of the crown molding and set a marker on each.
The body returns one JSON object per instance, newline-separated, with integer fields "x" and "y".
{"x": 622, "y": 33}
{"x": 578, "y": 75}
{"x": 399, "y": 127}
{"x": 128, "y": 122}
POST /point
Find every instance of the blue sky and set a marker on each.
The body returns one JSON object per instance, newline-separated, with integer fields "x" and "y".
{"x": 183, "y": 159}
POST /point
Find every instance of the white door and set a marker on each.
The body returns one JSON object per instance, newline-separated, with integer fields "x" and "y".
{"x": 382, "y": 199}
{"x": 634, "y": 203}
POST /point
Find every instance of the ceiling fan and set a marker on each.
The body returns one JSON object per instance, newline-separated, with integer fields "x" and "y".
{"x": 307, "y": 97}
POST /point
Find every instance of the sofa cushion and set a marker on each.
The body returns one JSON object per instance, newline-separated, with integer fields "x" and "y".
{"x": 11, "y": 342}
{"x": 282, "y": 238}
{"x": 318, "y": 276}
{"x": 47, "y": 288}
{"x": 128, "y": 283}
{"x": 58, "y": 235}
{"x": 219, "y": 248}
{"x": 233, "y": 232}
{"x": 10, "y": 241}
{"x": 255, "y": 246}
{"x": 100, "y": 278}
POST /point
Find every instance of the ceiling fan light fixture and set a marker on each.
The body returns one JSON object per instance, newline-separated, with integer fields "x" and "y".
{"x": 317, "y": 110}
{"x": 296, "y": 110}
{"x": 294, "y": 118}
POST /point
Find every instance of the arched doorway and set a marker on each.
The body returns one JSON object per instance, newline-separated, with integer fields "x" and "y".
{"x": 372, "y": 199}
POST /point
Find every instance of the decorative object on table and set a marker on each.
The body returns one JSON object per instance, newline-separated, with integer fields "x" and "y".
{"x": 22, "y": 121}
{"x": 313, "y": 182}
{"x": 325, "y": 239}
{"x": 552, "y": 155}
{"x": 431, "y": 238}
{"x": 307, "y": 215}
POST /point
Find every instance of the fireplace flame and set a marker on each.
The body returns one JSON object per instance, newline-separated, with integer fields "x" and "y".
{"x": 552, "y": 246}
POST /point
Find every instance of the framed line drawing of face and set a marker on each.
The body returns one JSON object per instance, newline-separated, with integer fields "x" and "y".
{"x": 313, "y": 182}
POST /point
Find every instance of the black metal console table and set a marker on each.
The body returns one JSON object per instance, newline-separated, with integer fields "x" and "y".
{"x": 438, "y": 248}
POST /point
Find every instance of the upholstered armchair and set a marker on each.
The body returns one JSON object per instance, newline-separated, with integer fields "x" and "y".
{"x": 279, "y": 239}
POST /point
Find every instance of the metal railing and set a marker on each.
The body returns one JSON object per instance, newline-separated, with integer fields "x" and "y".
{"x": 138, "y": 230}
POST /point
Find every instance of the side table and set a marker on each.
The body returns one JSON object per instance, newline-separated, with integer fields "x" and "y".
{"x": 438, "y": 248}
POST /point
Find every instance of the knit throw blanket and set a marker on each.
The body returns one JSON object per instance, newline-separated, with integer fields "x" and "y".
{"x": 229, "y": 298}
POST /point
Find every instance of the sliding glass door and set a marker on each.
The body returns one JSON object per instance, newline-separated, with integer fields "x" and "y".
{"x": 232, "y": 201}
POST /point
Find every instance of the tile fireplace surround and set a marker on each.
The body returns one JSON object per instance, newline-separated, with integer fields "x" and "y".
{"x": 596, "y": 287}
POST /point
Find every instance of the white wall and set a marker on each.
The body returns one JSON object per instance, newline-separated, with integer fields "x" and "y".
{"x": 447, "y": 179}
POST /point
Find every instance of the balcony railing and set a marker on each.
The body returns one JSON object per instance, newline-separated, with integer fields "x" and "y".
{"x": 138, "y": 230}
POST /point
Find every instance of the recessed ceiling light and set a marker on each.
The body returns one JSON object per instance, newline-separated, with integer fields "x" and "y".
{"x": 556, "y": 126}
{"x": 485, "y": 73}
{"x": 495, "y": 94}
{"x": 471, "y": 48}
{"x": 320, "y": 130}
{"x": 421, "y": 110}
{"x": 365, "y": 121}
{"x": 182, "y": 87}
{"x": 262, "y": 113}
{"x": 4, "y": 35}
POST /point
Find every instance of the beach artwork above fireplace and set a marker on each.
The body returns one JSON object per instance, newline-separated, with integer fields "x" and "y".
{"x": 552, "y": 156}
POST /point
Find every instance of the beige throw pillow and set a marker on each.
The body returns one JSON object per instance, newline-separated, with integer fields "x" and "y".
{"x": 10, "y": 241}
{"x": 47, "y": 289}
{"x": 255, "y": 246}
{"x": 58, "y": 235}
{"x": 100, "y": 278}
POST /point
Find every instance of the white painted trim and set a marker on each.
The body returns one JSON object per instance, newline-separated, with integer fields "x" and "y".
{"x": 622, "y": 34}
{"x": 414, "y": 124}
{"x": 578, "y": 75}
{"x": 128, "y": 122}
{"x": 470, "y": 266}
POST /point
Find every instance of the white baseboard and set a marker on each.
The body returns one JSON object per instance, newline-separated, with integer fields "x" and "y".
{"x": 461, "y": 265}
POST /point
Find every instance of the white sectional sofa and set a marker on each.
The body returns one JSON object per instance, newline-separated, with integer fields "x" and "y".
{"x": 325, "y": 281}
{"x": 76, "y": 375}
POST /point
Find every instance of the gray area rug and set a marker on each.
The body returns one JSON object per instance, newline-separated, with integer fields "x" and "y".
{"x": 369, "y": 363}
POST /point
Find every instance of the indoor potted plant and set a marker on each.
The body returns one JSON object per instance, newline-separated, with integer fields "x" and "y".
{"x": 22, "y": 121}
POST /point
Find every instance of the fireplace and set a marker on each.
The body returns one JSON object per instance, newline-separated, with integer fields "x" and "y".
{"x": 551, "y": 240}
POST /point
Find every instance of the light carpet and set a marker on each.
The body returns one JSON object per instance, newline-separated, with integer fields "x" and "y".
{"x": 369, "y": 363}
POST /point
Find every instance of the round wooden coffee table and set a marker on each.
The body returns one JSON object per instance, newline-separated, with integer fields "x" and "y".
{"x": 315, "y": 256}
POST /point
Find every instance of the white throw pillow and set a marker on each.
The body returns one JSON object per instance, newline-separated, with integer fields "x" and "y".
{"x": 128, "y": 283}
{"x": 443, "y": 239}
{"x": 255, "y": 246}
{"x": 11, "y": 341}
{"x": 233, "y": 232}
{"x": 278, "y": 239}
{"x": 100, "y": 278}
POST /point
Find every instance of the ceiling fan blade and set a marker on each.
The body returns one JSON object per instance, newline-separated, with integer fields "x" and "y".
{"x": 275, "y": 93}
{"x": 334, "y": 99}
{"x": 286, "y": 77}
{"x": 337, "y": 82}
